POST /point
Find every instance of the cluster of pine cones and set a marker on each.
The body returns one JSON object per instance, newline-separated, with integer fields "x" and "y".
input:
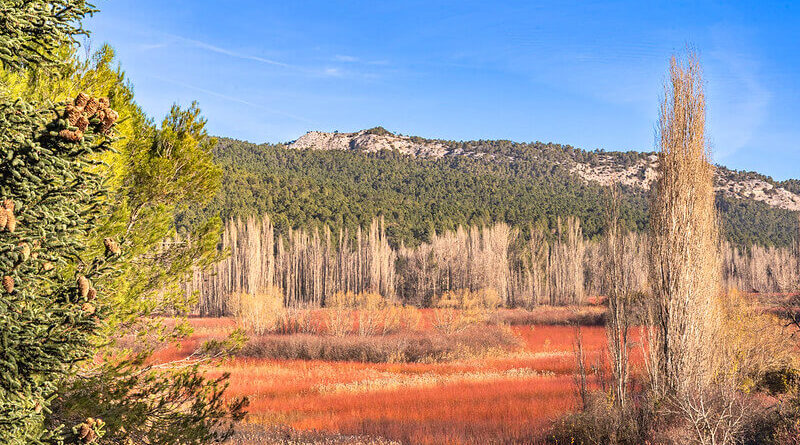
{"x": 85, "y": 431}
{"x": 8, "y": 222}
{"x": 86, "y": 110}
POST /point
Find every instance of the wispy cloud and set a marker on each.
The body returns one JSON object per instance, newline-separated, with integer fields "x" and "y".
{"x": 343, "y": 58}
{"x": 740, "y": 118}
{"x": 234, "y": 99}
{"x": 327, "y": 71}
{"x": 353, "y": 60}
{"x": 236, "y": 54}
{"x": 152, "y": 46}
{"x": 744, "y": 101}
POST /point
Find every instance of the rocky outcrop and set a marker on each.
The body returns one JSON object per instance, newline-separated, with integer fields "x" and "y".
{"x": 643, "y": 175}
{"x": 370, "y": 141}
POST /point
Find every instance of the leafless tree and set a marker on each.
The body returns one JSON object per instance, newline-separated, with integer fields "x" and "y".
{"x": 619, "y": 285}
{"x": 684, "y": 317}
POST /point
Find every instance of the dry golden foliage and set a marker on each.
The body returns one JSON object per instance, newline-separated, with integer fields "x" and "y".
{"x": 374, "y": 314}
{"x": 684, "y": 313}
{"x": 753, "y": 342}
{"x": 457, "y": 310}
{"x": 258, "y": 313}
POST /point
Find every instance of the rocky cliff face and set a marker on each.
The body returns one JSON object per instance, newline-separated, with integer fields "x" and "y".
{"x": 603, "y": 168}
{"x": 370, "y": 141}
{"x": 643, "y": 174}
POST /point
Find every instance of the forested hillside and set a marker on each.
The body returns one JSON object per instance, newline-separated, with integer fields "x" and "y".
{"x": 476, "y": 182}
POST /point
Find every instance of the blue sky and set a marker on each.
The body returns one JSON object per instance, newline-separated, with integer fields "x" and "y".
{"x": 588, "y": 74}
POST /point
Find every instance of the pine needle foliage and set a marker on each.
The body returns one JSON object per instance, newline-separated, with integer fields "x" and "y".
{"x": 51, "y": 188}
{"x": 31, "y": 30}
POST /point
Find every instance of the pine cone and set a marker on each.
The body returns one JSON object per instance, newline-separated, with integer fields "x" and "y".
{"x": 92, "y": 294}
{"x": 88, "y": 308}
{"x": 82, "y": 123}
{"x": 104, "y": 102}
{"x": 85, "y": 432}
{"x": 73, "y": 113}
{"x": 8, "y": 204}
{"x": 112, "y": 248}
{"x": 3, "y": 218}
{"x": 110, "y": 119}
{"x": 11, "y": 221}
{"x": 25, "y": 250}
{"x": 83, "y": 286}
{"x": 8, "y": 284}
{"x": 91, "y": 106}
{"x": 70, "y": 135}
{"x": 82, "y": 99}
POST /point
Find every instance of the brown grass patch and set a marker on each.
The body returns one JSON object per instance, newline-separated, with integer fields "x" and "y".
{"x": 408, "y": 347}
{"x": 553, "y": 315}
{"x": 284, "y": 435}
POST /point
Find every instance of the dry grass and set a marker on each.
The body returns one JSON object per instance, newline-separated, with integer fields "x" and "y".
{"x": 505, "y": 397}
{"x": 259, "y": 435}
{"x": 553, "y": 315}
{"x": 406, "y": 347}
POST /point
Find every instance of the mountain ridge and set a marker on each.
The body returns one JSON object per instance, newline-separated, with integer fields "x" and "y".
{"x": 422, "y": 187}
{"x": 602, "y": 168}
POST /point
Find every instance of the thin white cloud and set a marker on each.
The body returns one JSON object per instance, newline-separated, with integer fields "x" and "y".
{"x": 343, "y": 58}
{"x": 152, "y": 46}
{"x": 312, "y": 71}
{"x": 740, "y": 105}
{"x": 227, "y": 52}
{"x": 234, "y": 99}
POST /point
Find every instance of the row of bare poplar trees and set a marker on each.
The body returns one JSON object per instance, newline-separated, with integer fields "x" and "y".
{"x": 305, "y": 266}
{"x": 556, "y": 269}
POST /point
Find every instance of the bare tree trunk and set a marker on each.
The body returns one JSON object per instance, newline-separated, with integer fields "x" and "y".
{"x": 620, "y": 287}
{"x": 580, "y": 377}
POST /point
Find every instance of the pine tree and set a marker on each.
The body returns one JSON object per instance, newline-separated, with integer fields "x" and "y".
{"x": 31, "y": 30}
{"x": 51, "y": 188}
{"x": 49, "y": 194}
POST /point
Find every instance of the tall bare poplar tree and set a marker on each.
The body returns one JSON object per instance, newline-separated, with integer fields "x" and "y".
{"x": 797, "y": 249}
{"x": 684, "y": 256}
{"x": 619, "y": 286}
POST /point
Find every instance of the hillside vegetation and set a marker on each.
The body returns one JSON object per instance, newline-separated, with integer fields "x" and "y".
{"x": 422, "y": 187}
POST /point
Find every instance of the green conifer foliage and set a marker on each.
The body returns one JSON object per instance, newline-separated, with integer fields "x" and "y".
{"x": 31, "y": 30}
{"x": 50, "y": 191}
{"x": 49, "y": 187}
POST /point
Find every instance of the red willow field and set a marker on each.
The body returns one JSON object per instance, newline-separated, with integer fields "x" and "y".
{"x": 507, "y": 396}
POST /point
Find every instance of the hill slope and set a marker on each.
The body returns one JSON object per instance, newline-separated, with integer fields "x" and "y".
{"x": 420, "y": 185}
{"x": 633, "y": 168}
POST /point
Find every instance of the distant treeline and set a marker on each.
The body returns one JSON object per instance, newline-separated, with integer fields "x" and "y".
{"x": 308, "y": 267}
{"x": 522, "y": 185}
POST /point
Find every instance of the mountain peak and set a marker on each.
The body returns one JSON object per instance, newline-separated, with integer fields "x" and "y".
{"x": 370, "y": 141}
